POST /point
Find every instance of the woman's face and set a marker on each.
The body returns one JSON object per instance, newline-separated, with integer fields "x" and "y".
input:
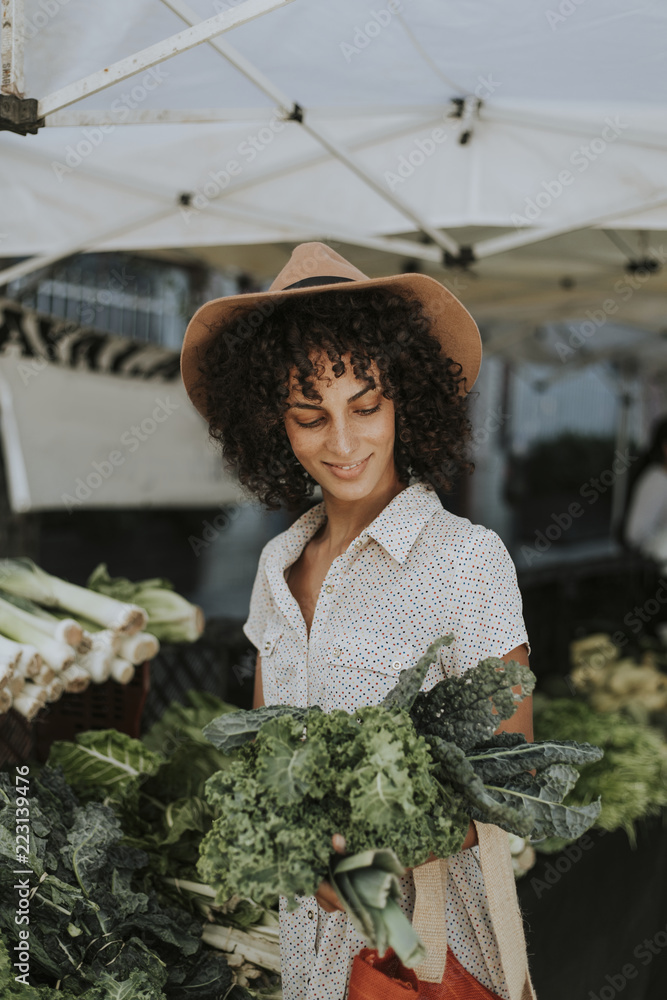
{"x": 352, "y": 426}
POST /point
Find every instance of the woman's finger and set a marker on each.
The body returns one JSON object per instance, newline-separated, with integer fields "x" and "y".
{"x": 338, "y": 841}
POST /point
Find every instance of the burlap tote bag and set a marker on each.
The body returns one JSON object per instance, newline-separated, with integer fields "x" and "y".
{"x": 440, "y": 976}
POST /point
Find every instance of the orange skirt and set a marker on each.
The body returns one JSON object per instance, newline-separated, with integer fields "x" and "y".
{"x": 386, "y": 978}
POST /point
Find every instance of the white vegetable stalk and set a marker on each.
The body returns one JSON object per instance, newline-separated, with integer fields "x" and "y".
{"x": 6, "y": 700}
{"x": 10, "y": 652}
{"x": 59, "y": 627}
{"x": 16, "y": 684}
{"x": 139, "y": 647}
{"x": 25, "y": 579}
{"x": 251, "y": 946}
{"x": 6, "y": 673}
{"x": 27, "y": 706}
{"x": 97, "y": 662}
{"x": 45, "y": 674}
{"x": 35, "y": 691}
{"x": 122, "y": 670}
{"x": 19, "y": 625}
{"x": 54, "y": 689}
{"x": 30, "y": 659}
{"x": 75, "y": 679}
{"x": 171, "y": 618}
{"x": 86, "y": 643}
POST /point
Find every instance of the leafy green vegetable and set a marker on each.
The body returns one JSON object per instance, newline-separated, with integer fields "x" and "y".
{"x": 369, "y": 881}
{"x": 96, "y": 927}
{"x": 405, "y": 692}
{"x": 231, "y": 731}
{"x": 404, "y": 776}
{"x": 460, "y": 710}
{"x": 170, "y": 617}
{"x": 104, "y": 759}
{"x": 631, "y": 778}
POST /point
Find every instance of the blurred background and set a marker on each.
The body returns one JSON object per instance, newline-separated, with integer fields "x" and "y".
{"x": 515, "y": 152}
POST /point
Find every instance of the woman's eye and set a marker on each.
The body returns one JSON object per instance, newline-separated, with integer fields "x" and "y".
{"x": 314, "y": 423}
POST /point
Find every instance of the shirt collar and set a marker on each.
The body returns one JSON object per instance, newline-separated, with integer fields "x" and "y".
{"x": 395, "y": 528}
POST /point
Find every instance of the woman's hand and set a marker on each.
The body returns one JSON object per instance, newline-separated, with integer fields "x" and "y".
{"x": 325, "y": 895}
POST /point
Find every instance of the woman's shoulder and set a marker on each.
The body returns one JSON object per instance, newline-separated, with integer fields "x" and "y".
{"x": 458, "y": 530}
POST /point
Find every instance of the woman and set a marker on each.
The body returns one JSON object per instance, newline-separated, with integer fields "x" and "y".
{"x": 359, "y": 385}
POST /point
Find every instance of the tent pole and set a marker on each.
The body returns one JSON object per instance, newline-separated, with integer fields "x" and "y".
{"x": 90, "y": 243}
{"x": 12, "y": 47}
{"x": 296, "y": 113}
{"x": 183, "y": 41}
{"x": 510, "y": 241}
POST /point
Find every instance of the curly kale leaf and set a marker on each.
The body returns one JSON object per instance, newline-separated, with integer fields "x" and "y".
{"x": 460, "y": 710}
{"x": 288, "y": 765}
{"x": 232, "y": 730}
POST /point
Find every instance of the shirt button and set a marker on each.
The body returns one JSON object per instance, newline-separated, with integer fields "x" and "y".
{"x": 337, "y": 652}
{"x": 267, "y": 645}
{"x": 329, "y": 588}
{"x": 396, "y": 664}
{"x": 311, "y": 915}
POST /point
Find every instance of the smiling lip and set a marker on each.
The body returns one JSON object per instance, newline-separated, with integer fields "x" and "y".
{"x": 352, "y": 473}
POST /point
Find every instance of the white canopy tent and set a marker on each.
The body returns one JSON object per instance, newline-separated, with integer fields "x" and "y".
{"x": 517, "y": 152}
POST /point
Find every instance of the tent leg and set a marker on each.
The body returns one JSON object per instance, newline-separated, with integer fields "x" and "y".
{"x": 12, "y": 47}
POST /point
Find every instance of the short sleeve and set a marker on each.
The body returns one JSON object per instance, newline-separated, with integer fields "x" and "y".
{"x": 260, "y": 603}
{"x": 489, "y": 619}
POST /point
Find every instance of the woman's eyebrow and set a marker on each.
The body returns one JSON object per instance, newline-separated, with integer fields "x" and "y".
{"x": 314, "y": 406}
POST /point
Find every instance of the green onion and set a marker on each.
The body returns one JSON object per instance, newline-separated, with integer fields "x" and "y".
{"x": 24, "y": 578}
{"x": 20, "y": 625}
{"x": 170, "y": 617}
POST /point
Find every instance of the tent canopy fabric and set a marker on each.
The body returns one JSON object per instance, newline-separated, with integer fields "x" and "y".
{"x": 331, "y": 121}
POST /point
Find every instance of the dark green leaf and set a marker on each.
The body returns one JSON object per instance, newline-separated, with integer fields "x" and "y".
{"x": 410, "y": 681}
{"x": 228, "y": 732}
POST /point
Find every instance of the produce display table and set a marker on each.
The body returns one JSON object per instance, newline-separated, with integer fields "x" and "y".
{"x": 596, "y": 920}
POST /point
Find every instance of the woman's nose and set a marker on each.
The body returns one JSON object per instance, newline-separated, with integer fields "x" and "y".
{"x": 342, "y": 437}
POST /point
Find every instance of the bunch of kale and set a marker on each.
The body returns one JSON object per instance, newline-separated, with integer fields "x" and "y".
{"x": 400, "y": 780}
{"x": 93, "y": 932}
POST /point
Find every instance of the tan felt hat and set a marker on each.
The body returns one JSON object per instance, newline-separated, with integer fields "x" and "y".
{"x": 315, "y": 267}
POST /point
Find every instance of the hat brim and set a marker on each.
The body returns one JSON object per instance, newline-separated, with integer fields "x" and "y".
{"x": 452, "y": 324}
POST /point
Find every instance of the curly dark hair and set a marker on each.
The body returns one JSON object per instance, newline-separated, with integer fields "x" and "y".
{"x": 245, "y": 380}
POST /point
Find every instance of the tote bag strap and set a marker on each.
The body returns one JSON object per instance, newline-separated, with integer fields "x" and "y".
{"x": 496, "y": 864}
{"x": 430, "y": 913}
{"x": 430, "y": 918}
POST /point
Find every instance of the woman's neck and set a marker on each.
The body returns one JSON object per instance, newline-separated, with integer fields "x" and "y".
{"x": 347, "y": 519}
